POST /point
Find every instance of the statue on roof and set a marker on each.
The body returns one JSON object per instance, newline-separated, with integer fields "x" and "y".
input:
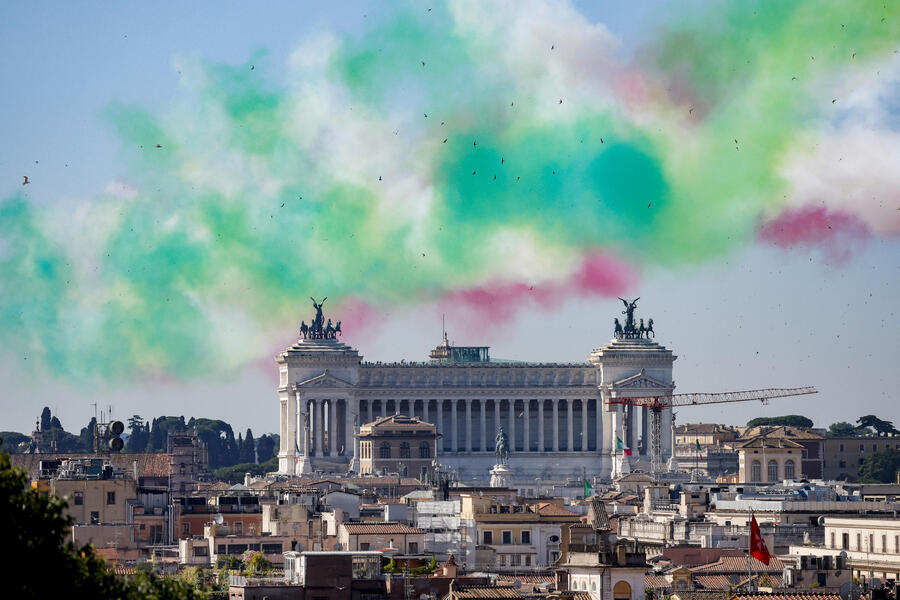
{"x": 501, "y": 448}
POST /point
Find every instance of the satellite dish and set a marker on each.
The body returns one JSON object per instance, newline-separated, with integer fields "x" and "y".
{"x": 219, "y": 519}
{"x": 850, "y": 591}
{"x": 116, "y": 444}
{"x": 821, "y": 520}
{"x": 117, "y": 427}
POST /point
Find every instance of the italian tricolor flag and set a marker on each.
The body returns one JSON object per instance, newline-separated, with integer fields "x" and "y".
{"x": 621, "y": 446}
{"x": 699, "y": 455}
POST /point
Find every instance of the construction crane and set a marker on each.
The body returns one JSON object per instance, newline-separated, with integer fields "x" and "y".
{"x": 656, "y": 404}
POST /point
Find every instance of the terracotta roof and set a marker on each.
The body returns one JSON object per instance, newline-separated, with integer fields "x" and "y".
{"x": 150, "y": 464}
{"x": 717, "y": 582}
{"x": 701, "y": 595}
{"x": 487, "y": 592}
{"x": 656, "y": 581}
{"x": 738, "y": 564}
{"x": 547, "y": 509}
{"x": 789, "y": 595}
{"x": 580, "y": 596}
{"x": 781, "y": 431}
{"x": 369, "y": 528}
{"x": 693, "y": 557}
{"x": 762, "y": 441}
{"x": 396, "y": 422}
{"x": 533, "y": 579}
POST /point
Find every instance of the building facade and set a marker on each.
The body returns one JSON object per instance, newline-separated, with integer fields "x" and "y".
{"x": 769, "y": 460}
{"x": 397, "y": 444}
{"x": 844, "y": 455}
{"x": 556, "y": 416}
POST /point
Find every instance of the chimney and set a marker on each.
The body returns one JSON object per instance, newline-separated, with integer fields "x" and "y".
{"x": 135, "y": 469}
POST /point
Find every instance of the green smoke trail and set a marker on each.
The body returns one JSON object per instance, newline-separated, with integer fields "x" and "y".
{"x": 340, "y": 181}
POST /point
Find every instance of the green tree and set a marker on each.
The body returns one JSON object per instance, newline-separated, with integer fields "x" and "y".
{"x": 248, "y": 450}
{"x": 235, "y": 473}
{"x": 256, "y": 563}
{"x": 44, "y": 565}
{"x": 880, "y": 467}
{"x": 13, "y": 441}
{"x": 55, "y": 424}
{"x": 86, "y": 437}
{"x": 45, "y": 419}
{"x": 788, "y": 420}
{"x": 159, "y": 432}
{"x": 265, "y": 448}
{"x": 137, "y": 441}
{"x": 841, "y": 429}
{"x": 873, "y": 422}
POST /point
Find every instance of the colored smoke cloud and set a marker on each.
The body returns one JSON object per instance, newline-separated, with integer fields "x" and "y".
{"x": 488, "y": 154}
{"x": 837, "y": 235}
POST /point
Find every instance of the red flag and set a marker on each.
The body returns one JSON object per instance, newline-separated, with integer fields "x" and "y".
{"x": 758, "y": 548}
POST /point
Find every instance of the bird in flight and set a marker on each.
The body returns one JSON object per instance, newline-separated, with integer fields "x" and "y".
{"x": 25, "y": 180}
{"x": 158, "y": 146}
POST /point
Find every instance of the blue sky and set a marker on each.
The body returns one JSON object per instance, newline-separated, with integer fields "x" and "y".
{"x": 756, "y": 317}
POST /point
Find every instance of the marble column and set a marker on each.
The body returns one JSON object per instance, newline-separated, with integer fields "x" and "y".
{"x": 598, "y": 415}
{"x": 454, "y": 426}
{"x": 483, "y": 419}
{"x": 468, "y": 444}
{"x": 302, "y": 427}
{"x": 645, "y": 430}
{"x": 290, "y": 425}
{"x": 540, "y": 413}
{"x": 350, "y": 418}
{"x": 512, "y": 425}
{"x": 333, "y": 440}
{"x": 629, "y": 426}
{"x": 425, "y": 404}
{"x": 496, "y": 417}
{"x": 570, "y": 424}
{"x": 383, "y": 407}
{"x": 439, "y": 422}
{"x": 555, "y": 424}
{"x": 318, "y": 426}
{"x": 526, "y": 445}
{"x": 584, "y": 424}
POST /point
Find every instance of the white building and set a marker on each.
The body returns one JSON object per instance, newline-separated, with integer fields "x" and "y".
{"x": 556, "y": 416}
{"x": 441, "y": 522}
{"x": 872, "y": 545}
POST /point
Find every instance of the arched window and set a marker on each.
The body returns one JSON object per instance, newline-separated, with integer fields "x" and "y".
{"x": 789, "y": 469}
{"x": 622, "y": 591}
{"x": 593, "y": 586}
{"x": 404, "y": 450}
{"x": 385, "y": 450}
{"x": 772, "y": 471}
{"x": 755, "y": 471}
{"x": 424, "y": 450}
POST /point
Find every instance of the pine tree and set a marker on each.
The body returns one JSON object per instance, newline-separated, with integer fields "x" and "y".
{"x": 45, "y": 419}
{"x": 248, "y": 450}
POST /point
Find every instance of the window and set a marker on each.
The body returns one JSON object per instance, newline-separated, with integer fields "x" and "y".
{"x": 95, "y": 517}
{"x": 789, "y": 469}
{"x": 515, "y": 560}
{"x": 78, "y": 498}
{"x": 871, "y": 547}
{"x": 487, "y": 538}
{"x": 385, "y": 450}
{"x": 897, "y": 544}
{"x": 501, "y": 560}
{"x": 414, "y": 547}
{"x": 527, "y": 560}
{"x": 845, "y": 541}
{"x": 238, "y": 528}
{"x": 832, "y": 539}
{"x": 404, "y": 450}
{"x": 186, "y": 529}
{"x": 364, "y": 546}
{"x": 593, "y": 586}
{"x": 755, "y": 471}
{"x": 772, "y": 471}
{"x": 271, "y": 548}
{"x": 859, "y": 541}
{"x": 110, "y": 497}
{"x": 220, "y": 549}
{"x": 842, "y": 464}
{"x": 507, "y": 537}
{"x": 526, "y": 537}
{"x": 201, "y": 551}
{"x": 884, "y": 544}
{"x": 874, "y": 448}
{"x": 842, "y": 447}
{"x": 862, "y": 448}
{"x": 424, "y": 450}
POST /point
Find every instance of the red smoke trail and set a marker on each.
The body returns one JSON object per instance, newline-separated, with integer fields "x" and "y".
{"x": 493, "y": 303}
{"x": 837, "y": 235}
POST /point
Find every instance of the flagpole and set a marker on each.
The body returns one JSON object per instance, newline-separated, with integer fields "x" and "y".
{"x": 749, "y": 551}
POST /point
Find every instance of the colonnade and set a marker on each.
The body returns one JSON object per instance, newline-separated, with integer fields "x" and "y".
{"x": 531, "y": 425}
